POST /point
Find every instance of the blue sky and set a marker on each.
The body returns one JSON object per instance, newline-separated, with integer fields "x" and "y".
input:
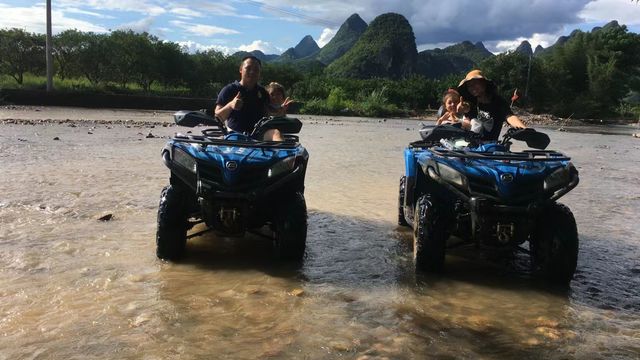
{"x": 272, "y": 26}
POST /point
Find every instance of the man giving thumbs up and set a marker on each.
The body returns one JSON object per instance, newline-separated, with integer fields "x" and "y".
{"x": 242, "y": 103}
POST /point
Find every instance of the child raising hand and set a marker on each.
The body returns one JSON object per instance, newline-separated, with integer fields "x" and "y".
{"x": 455, "y": 108}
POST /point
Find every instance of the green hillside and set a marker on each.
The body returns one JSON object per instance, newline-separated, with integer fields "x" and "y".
{"x": 386, "y": 49}
{"x": 345, "y": 38}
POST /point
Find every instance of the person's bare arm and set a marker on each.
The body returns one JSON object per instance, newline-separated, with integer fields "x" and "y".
{"x": 223, "y": 112}
{"x": 516, "y": 122}
{"x": 443, "y": 118}
{"x": 282, "y": 110}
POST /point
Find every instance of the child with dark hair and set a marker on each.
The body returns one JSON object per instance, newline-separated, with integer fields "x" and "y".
{"x": 454, "y": 108}
{"x": 278, "y": 102}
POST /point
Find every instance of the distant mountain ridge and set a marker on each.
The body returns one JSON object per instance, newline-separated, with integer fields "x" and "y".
{"x": 305, "y": 48}
{"x": 257, "y": 53}
{"x": 386, "y": 48}
{"x": 345, "y": 38}
{"x": 453, "y": 59}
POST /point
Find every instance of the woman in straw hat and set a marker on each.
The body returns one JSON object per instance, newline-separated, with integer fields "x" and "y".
{"x": 489, "y": 110}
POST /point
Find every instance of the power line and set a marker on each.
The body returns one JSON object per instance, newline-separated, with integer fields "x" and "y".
{"x": 292, "y": 13}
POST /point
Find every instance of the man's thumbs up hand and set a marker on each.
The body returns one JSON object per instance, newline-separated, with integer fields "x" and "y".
{"x": 236, "y": 103}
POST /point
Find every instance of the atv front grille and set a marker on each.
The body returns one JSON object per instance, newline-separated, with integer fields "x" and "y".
{"x": 250, "y": 174}
{"x": 482, "y": 186}
{"x": 243, "y": 176}
{"x": 212, "y": 173}
{"x": 519, "y": 190}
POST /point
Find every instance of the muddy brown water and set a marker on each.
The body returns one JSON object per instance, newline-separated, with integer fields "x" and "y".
{"x": 77, "y": 288}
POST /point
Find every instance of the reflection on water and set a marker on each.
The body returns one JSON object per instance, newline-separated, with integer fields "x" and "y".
{"x": 75, "y": 287}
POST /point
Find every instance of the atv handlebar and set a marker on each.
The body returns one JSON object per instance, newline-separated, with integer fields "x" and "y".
{"x": 433, "y": 135}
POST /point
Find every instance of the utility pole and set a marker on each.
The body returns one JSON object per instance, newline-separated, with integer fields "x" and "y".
{"x": 48, "y": 50}
{"x": 526, "y": 89}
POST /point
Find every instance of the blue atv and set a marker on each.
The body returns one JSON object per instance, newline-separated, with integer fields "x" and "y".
{"x": 458, "y": 190}
{"x": 234, "y": 183}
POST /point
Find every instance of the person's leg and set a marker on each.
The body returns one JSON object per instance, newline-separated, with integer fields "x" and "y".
{"x": 273, "y": 135}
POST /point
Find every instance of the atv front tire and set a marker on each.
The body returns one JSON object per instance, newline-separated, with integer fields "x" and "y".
{"x": 429, "y": 237}
{"x": 554, "y": 244}
{"x": 171, "y": 237}
{"x": 401, "y": 220}
{"x": 291, "y": 228}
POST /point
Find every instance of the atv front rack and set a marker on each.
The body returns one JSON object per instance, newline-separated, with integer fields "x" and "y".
{"x": 526, "y": 155}
{"x": 290, "y": 141}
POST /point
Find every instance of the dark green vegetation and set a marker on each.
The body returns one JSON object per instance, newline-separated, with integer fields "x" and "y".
{"x": 372, "y": 70}
{"x": 345, "y": 38}
{"x": 386, "y": 49}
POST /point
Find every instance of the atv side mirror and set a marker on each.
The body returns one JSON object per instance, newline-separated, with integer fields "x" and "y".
{"x": 534, "y": 139}
{"x": 194, "y": 118}
{"x": 286, "y": 125}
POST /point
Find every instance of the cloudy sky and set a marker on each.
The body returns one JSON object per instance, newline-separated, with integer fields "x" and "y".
{"x": 272, "y": 26}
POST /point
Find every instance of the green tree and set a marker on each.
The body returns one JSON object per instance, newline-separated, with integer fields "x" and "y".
{"x": 209, "y": 71}
{"x": 172, "y": 63}
{"x": 21, "y": 52}
{"x": 66, "y": 53}
{"x": 94, "y": 58}
{"x": 131, "y": 55}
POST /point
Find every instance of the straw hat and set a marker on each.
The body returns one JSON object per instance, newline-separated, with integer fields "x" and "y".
{"x": 472, "y": 75}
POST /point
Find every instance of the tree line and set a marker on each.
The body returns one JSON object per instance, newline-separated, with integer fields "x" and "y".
{"x": 592, "y": 74}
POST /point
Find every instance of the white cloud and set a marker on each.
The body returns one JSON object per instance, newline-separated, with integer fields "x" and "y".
{"x": 221, "y": 9}
{"x": 326, "y": 36}
{"x": 185, "y": 12}
{"x": 192, "y": 47}
{"x": 202, "y": 30}
{"x": 139, "y": 26}
{"x": 33, "y": 19}
{"x": 73, "y": 10}
{"x": 146, "y": 7}
{"x": 626, "y": 12}
{"x": 437, "y": 21}
{"x": 263, "y": 46}
{"x": 544, "y": 40}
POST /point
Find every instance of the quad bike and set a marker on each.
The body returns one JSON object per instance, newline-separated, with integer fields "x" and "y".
{"x": 458, "y": 190}
{"x": 234, "y": 183}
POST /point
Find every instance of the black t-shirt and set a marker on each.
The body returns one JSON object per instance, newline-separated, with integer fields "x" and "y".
{"x": 254, "y": 105}
{"x": 496, "y": 111}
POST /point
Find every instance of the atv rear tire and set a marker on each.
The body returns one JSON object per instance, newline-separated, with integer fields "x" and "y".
{"x": 429, "y": 237}
{"x": 554, "y": 244}
{"x": 171, "y": 237}
{"x": 401, "y": 220}
{"x": 291, "y": 228}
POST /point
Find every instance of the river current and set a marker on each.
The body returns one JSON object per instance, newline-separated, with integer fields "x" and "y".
{"x": 74, "y": 287}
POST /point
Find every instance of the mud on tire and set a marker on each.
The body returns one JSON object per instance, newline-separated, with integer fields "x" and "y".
{"x": 290, "y": 224}
{"x": 554, "y": 244}
{"x": 401, "y": 220}
{"x": 429, "y": 237}
{"x": 171, "y": 236}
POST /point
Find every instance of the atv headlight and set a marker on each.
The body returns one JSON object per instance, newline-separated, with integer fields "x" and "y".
{"x": 282, "y": 166}
{"x": 452, "y": 176}
{"x": 557, "y": 178}
{"x": 185, "y": 160}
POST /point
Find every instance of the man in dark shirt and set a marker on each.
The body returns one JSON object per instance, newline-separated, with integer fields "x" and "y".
{"x": 243, "y": 103}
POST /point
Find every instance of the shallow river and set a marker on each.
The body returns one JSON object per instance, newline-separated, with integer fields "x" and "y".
{"x": 73, "y": 287}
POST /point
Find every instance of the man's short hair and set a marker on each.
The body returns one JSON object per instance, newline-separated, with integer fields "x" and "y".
{"x": 251, "y": 57}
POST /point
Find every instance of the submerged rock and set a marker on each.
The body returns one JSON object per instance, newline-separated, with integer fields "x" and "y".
{"x": 106, "y": 217}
